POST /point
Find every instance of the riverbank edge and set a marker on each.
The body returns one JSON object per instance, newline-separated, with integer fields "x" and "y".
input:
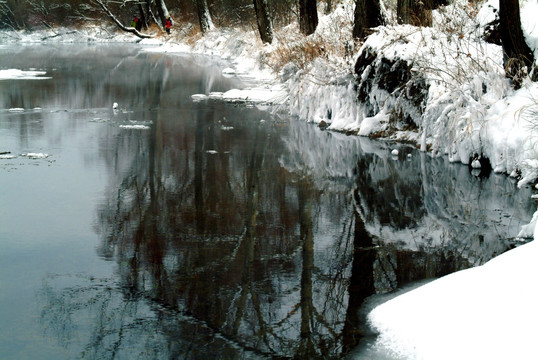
{"x": 327, "y": 91}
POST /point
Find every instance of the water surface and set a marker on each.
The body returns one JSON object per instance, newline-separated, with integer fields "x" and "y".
{"x": 169, "y": 228}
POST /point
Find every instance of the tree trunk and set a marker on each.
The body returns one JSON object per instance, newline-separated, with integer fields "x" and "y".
{"x": 414, "y": 12}
{"x": 204, "y": 17}
{"x": 308, "y": 16}
{"x": 264, "y": 22}
{"x": 150, "y": 13}
{"x": 367, "y": 16}
{"x": 328, "y": 7}
{"x": 162, "y": 10}
{"x": 518, "y": 58}
{"x": 143, "y": 16}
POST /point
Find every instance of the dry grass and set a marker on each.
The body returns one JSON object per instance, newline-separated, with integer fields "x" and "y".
{"x": 332, "y": 41}
{"x": 190, "y": 33}
{"x": 300, "y": 53}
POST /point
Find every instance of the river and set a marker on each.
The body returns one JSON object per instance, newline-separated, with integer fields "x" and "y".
{"x": 169, "y": 228}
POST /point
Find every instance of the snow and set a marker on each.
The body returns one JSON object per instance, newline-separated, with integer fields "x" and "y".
{"x": 135, "y": 127}
{"x": 275, "y": 94}
{"x": 199, "y": 97}
{"x": 471, "y": 111}
{"x": 32, "y": 155}
{"x": 17, "y": 74}
{"x": 486, "y": 312}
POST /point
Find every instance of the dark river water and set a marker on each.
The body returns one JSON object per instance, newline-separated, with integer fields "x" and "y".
{"x": 174, "y": 229}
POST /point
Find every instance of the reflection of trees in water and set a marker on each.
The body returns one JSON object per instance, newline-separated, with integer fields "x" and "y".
{"x": 441, "y": 217}
{"x": 228, "y": 253}
{"x": 225, "y": 244}
{"x": 94, "y": 319}
{"x": 427, "y": 216}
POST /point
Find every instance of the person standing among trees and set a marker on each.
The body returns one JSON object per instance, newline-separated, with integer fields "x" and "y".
{"x": 138, "y": 23}
{"x": 168, "y": 25}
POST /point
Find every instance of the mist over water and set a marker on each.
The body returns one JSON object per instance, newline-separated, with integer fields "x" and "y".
{"x": 171, "y": 228}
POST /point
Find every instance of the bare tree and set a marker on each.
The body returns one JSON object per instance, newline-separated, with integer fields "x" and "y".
{"x": 308, "y": 16}
{"x": 264, "y": 22}
{"x": 367, "y": 16}
{"x": 204, "y": 17}
{"x": 10, "y": 16}
{"x": 119, "y": 23}
{"x": 414, "y": 12}
{"x": 162, "y": 10}
{"x": 518, "y": 58}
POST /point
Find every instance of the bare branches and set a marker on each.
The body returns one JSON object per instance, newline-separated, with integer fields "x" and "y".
{"x": 119, "y": 24}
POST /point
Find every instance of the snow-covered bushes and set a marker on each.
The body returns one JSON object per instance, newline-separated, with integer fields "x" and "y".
{"x": 443, "y": 88}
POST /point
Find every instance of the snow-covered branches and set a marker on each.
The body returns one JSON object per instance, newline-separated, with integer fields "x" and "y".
{"x": 118, "y": 22}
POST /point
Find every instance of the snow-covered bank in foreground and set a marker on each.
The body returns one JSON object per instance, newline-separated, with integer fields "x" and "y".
{"x": 486, "y": 312}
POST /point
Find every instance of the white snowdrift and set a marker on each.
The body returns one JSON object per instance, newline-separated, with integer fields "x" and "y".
{"x": 32, "y": 155}
{"x": 17, "y": 74}
{"x": 487, "y": 312}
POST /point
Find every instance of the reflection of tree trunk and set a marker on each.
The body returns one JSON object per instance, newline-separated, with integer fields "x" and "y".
{"x": 156, "y": 242}
{"x": 213, "y": 194}
{"x": 199, "y": 173}
{"x": 249, "y": 239}
{"x": 306, "y": 348}
{"x": 361, "y": 282}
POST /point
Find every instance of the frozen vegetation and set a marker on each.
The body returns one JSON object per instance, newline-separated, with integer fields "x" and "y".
{"x": 454, "y": 102}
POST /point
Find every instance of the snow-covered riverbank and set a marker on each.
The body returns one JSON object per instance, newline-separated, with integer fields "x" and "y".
{"x": 468, "y": 110}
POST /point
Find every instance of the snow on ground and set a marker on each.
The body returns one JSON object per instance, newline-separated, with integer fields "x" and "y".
{"x": 135, "y": 127}
{"x": 22, "y": 74}
{"x": 486, "y": 312}
{"x": 32, "y": 155}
